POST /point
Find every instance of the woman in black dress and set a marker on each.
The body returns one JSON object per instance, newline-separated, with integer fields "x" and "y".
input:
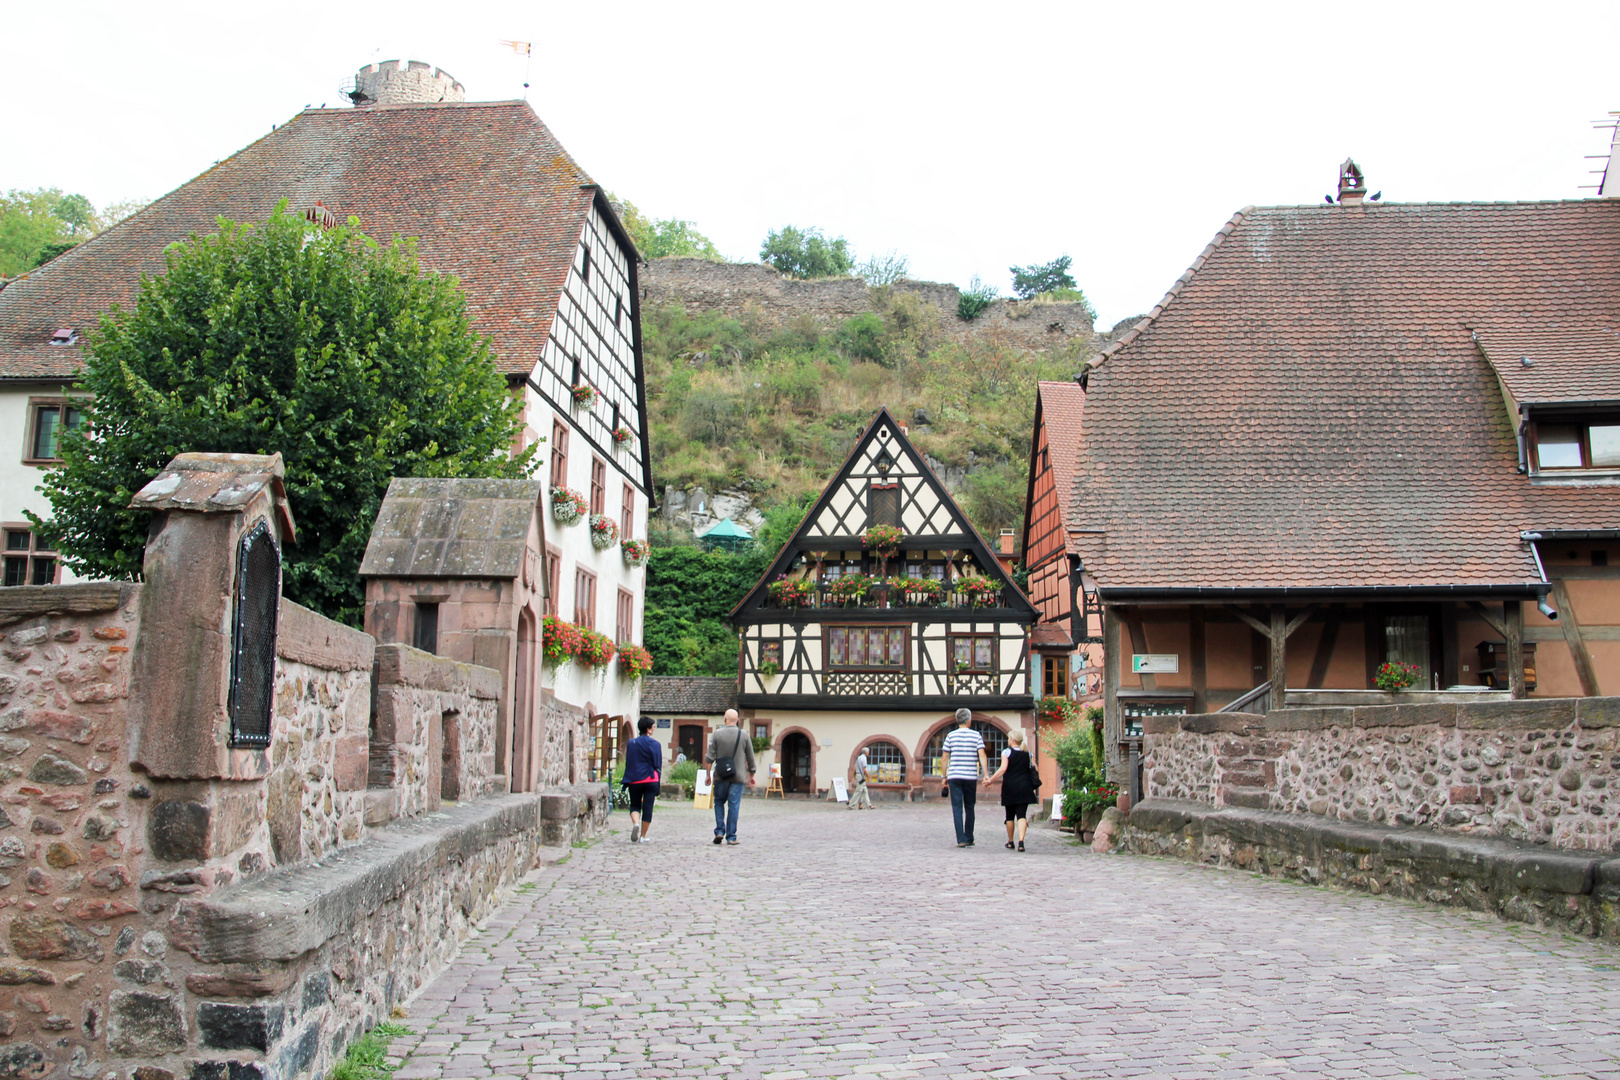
{"x": 1018, "y": 783}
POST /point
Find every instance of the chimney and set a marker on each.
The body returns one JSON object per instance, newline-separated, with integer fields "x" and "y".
{"x": 1352, "y": 185}
{"x": 1008, "y": 541}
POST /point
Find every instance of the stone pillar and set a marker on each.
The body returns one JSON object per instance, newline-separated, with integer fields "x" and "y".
{"x": 181, "y": 706}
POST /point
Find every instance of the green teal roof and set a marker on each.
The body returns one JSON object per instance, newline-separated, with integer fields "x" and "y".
{"x": 724, "y": 528}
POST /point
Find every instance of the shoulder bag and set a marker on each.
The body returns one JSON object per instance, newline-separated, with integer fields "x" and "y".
{"x": 725, "y": 768}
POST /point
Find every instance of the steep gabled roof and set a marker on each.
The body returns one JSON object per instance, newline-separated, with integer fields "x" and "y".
{"x": 452, "y": 528}
{"x": 487, "y": 190}
{"x": 1308, "y": 409}
{"x": 947, "y": 522}
{"x": 1061, "y": 407}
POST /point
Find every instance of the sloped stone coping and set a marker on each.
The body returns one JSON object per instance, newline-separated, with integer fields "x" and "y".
{"x": 1574, "y": 891}
{"x": 28, "y": 601}
{"x": 288, "y": 913}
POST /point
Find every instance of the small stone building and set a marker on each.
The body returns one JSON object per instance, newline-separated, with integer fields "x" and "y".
{"x": 453, "y": 568}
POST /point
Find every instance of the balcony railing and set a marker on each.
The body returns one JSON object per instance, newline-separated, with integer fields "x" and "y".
{"x": 886, "y": 597}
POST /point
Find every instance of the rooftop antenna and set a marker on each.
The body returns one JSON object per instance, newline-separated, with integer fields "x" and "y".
{"x": 526, "y": 49}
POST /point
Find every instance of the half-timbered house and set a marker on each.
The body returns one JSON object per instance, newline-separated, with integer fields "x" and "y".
{"x": 489, "y": 195}
{"x": 884, "y": 614}
{"x": 1357, "y": 435}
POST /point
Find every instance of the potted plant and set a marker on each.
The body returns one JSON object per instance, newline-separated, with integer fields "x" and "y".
{"x": 584, "y": 395}
{"x": 927, "y": 590}
{"x": 595, "y": 650}
{"x": 770, "y": 669}
{"x": 623, "y": 436}
{"x": 883, "y": 540}
{"x": 559, "y": 641}
{"x": 1057, "y": 710}
{"x": 634, "y": 662}
{"x": 980, "y": 591}
{"x": 849, "y": 590}
{"x": 567, "y": 505}
{"x": 1396, "y": 675}
{"x": 789, "y": 592}
{"x": 604, "y": 532}
{"x": 635, "y": 552}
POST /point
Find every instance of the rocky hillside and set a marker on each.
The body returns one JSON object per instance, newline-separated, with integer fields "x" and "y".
{"x": 758, "y": 385}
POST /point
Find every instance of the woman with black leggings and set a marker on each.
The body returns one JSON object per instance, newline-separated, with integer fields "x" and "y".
{"x": 1017, "y": 774}
{"x": 643, "y": 759}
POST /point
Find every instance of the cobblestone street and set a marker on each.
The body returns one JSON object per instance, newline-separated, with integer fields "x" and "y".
{"x": 837, "y": 944}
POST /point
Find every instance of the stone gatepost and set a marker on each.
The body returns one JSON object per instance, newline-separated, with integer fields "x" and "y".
{"x": 202, "y": 685}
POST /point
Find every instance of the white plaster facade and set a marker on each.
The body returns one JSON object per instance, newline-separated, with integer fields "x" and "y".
{"x": 592, "y": 341}
{"x": 19, "y": 480}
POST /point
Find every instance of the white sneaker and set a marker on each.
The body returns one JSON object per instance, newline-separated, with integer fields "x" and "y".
{"x": 646, "y": 839}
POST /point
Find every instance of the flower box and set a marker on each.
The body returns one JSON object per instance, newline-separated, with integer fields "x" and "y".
{"x": 584, "y": 395}
{"x": 1397, "y": 675}
{"x": 789, "y": 592}
{"x": 849, "y": 590}
{"x": 634, "y": 662}
{"x": 559, "y": 641}
{"x": 635, "y": 552}
{"x": 568, "y": 505}
{"x": 623, "y": 436}
{"x": 979, "y": 591}
{"x": 604, "y": 532}
{"x": 595, "y": 650}
{"x": 883, "y": 540}
{"x": 926, "y": 590}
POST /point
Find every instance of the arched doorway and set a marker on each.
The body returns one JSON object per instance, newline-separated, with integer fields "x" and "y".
{"x": 798, "y": 768}
{"x": 689, "y": 740}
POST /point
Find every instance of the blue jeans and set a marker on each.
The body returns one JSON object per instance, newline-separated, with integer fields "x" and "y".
{"x": 727, "y": 805}
{"x": 963, "y": 795}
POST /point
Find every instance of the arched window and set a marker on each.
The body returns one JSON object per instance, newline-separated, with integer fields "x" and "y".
{"x": 995, "y": 741}
{"x": 885, "y": 763}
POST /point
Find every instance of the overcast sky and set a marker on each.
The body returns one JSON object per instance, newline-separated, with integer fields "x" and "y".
{"x": 966, "y": 137}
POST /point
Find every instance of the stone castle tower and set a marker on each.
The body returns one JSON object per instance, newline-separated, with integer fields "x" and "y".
{"x": 403, "y": 82}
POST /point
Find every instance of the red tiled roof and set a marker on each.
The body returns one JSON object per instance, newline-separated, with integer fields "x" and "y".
{"x": 489, "y": 192}
{"x": 1308, "y": 408}
{"x": 1063, "y": 406}
{"x": 1581, "y": 363}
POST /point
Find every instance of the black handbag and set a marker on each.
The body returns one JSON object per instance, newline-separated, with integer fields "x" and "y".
{"x": 725, "y": 768}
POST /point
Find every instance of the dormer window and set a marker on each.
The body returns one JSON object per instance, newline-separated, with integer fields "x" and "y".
{"x": 1571, "y": 444}
{"x": 65, "y": 336}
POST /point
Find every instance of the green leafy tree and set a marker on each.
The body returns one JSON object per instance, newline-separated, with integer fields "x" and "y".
{"x": 690, "y": 594}
{"x": 880, "y": 270}
{"x": 660, "y": 238}
{"x": 339, "y": 353}
{"x": 30, "y": 231}
{"x": 1031, "y": 281}
{"x": 806, "y": 253}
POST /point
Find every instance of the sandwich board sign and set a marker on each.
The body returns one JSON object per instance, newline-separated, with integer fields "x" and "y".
{"x": 840, "y": 789}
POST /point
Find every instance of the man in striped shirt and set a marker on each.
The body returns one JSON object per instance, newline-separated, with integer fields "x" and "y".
{"x": 964, "y": 764}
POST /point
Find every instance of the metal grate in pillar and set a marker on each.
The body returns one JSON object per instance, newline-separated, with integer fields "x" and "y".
{"x": 253, "y": 638}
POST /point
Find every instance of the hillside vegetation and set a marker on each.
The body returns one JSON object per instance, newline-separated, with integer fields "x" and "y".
{"x": 774, "y": 410}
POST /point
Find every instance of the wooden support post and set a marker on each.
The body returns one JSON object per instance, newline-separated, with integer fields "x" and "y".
{"x": 1513, "y": 623}
{"x": 1196, "y": 646}
{"x": 1279, "y": 656}
{"x": 1112, "y": 658}
{"x": 1575, "y": 640}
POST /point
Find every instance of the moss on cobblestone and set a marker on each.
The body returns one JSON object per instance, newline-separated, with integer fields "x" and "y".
{"x": 367, "y": 1059}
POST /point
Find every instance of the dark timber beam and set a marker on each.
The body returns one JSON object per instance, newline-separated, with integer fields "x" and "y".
{"x": 1573, "y": 638}
{"x": 1513, "y": 624}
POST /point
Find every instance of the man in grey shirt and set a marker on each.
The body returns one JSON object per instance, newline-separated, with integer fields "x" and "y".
{"x": 731, "y": 742}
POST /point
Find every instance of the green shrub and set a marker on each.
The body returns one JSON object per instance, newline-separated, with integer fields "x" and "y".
{"x": 974, "y": 299}
{"x": 861, "y": 338}
{"x": 684, "y": 773}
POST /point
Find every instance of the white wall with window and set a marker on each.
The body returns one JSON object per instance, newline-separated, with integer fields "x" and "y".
{"x": 33, "y": 416}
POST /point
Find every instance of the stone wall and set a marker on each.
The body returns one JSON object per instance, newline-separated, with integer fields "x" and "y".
{"x": 435, "y": 718}
{"x": 1536, "y": 770}
{"x": 756, "y": 291}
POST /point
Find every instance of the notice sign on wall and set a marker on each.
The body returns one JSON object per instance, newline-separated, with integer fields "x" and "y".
{"x": 1155, "y": 663}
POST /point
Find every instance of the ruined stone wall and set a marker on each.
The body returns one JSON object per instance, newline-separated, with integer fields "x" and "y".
{"x": 756, "y": 291}
{"x": 425, "y": 706}
{"x": 1536, "y": 770}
